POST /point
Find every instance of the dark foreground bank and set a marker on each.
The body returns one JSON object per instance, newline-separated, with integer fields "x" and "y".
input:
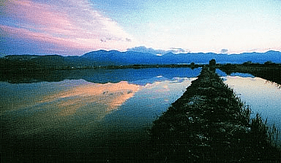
{"x": 210, "y": 124}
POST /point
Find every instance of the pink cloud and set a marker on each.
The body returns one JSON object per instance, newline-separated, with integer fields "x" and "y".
{"x": 25, "y": 36}
{"x": 68, "y": 24}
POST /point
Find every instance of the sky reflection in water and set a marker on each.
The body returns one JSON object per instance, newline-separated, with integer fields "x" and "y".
{"x": 78, "y": 114}
{"x": 77, "y": 106}
{"x": 264, "y": 97}
{"x": 57, "y": 109}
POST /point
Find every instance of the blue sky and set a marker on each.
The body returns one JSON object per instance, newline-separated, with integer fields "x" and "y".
{"x": 70, "y": 27}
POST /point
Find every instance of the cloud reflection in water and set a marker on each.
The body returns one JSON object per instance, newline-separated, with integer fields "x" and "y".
{"x": 72, "y": 108}
{"x": 110, "y": 95}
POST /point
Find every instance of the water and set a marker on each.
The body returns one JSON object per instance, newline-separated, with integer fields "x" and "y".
{"x": 262, "y": 96}
{"x": 106, "y": 113}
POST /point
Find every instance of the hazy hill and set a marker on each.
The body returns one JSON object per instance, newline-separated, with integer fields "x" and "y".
{"x": 129, "y": 57}
{"x": 114, "y": 57}
{"x": 117, "y": 58}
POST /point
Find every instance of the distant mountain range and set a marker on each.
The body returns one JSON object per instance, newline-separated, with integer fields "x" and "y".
{"x": 117, "y": 58}
{"x": 130, "y": 57}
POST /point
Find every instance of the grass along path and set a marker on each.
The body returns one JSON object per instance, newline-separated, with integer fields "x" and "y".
{"x": 209, "y": 123}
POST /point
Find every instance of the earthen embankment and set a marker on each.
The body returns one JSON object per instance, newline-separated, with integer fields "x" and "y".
{"x": 209, "y": 123}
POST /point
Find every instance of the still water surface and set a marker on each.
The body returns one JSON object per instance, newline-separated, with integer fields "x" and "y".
{"x": 97, "y": 110}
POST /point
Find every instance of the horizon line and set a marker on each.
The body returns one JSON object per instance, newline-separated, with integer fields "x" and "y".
{"x": 167, "y": 52}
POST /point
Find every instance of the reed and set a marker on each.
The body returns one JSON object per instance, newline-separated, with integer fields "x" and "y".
{"x": 209, "y": 123}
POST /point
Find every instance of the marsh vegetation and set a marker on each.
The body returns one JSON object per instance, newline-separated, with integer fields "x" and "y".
{"x": 269, "y": 70}
{"x": 209, "y": 123}
{"x": 59, "y": 116}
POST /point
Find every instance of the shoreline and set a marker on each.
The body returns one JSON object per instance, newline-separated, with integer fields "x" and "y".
{"x": 209, "y": 123}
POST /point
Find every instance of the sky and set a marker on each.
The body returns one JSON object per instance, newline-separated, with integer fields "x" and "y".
{"x": 74, "y": 27}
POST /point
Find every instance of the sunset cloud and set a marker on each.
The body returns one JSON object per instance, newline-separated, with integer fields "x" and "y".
{"x": 66, "y": 24}
{"x": 71, "y": 27}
